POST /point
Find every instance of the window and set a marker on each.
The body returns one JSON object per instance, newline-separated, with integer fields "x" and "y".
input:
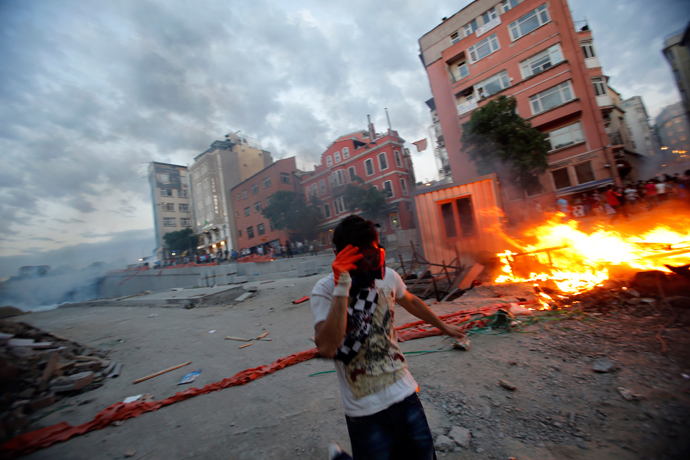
{"x": 398, "y": 159}
{"x": 184, "y": 207}
{"x": 270, "y": 225}
{"x": 240, "y": 231}
{"x": 329, "y": 161}
{"x": 454, "y": 37}
{"x": 529, "y": 22}
{"x": 388, "y": 188}
{"x": 565, "y": 136}
{"x": 169, "y": 207}
{"x": 322, "y": 186}
{"x": 163, "y": 178}
{"x": 247, "y": 211}
{"x": 257, "y": 206}
{"x": 255, "y": 189}
{"x": 489, "y": 15}
{"x": 561, "y": 178}
{"x": 458, "y": 215}
{"x": 307, "y": 191}
{"x": 169, "y": 222}
{"x": 250, "y": 232}
{"x": 492, "y": 85}
{"x": 339, "y": 205}
{"x": 588, "y": 48}
{"x": 237, "y": 215}
{"x": 336, "y": 156}
{"x": 351, "y": 171}
{"x": 337, "y": 178}
{"x": 285, "y": 178}
{"x": 166, "y": 192}
{"x": 599, "y": 86}
{"x": 470, "y": 28}
{"x": 383, "y": 163}
{"x": 551, "y": 98}
{"x": 182, "y": 193}
{"x": 244, "y": 194}
{"x": 315, "y": 189}
{"x": 268, "y": 201}
{"x": 483, "y": 48}
{"x": 403, "y": 186}
{"x": 327, "y": 210}
{"x": 346, "y": 153}
{"x": 369, "y": 166}
{"x": 267, "y": 182}
{"x": 542, "y": 61}
{"x": 184, "y": 222}
{"x": 584, "y": 172}
{"x": 395, "y": 221}
{"x": 463, "y": 70}
{"x": 260, "y": 229}
{"x": 509, "y": 5}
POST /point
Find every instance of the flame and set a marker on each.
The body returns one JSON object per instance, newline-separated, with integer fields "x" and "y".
{"x": 577, "y": 261}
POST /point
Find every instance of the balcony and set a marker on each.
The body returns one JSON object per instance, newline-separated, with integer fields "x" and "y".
{"x": 615, "y": 139}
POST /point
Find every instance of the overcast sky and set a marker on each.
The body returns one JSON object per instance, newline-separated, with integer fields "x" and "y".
{"x": 92, "y": 91}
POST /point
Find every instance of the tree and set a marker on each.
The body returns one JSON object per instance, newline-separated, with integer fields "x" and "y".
{"x": 498, "y": 140}
{"x": 372, "y": 202}
{"x": 290, "y": 210}
{"x": 181, "y": 241}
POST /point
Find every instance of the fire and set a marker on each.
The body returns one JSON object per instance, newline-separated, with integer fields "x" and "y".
{"x": 577, "y": 261}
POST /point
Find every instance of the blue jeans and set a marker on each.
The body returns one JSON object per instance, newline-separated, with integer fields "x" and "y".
{"x": 398, "y": 432}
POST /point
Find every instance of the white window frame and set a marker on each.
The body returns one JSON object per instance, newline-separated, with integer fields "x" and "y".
{"x": 327, "y": 210}
{"x": 346, "y": 153}
{"x": 169, "y": 221}
{"x": 247, "y": 211}
{"x": 166, "y": 192}
{"x": 339, "y": 205}
{"x": 351, "y": 172}
{"x": 182, "y": 193}
{"x": 572, "y": 130}
{"x": 455, "y": 37}
{"x": 183, "y": 207}
{"x": 588, "y": 48}
{"x": 284, "y": 178}
{"x": 315, "y": 189}
{"x": 599, "y": 86}
{"x": 508, "y": 5}
{"x": 322, "y": 187}
{"x": 336, "y": 156}
{"x": 185, "y": 222}
{"x": 470, "y": 27}
{"x": 390, "y": 193}
{"x": 260, "y": 229}
{"x": 267, "y": 182}
{"x": 542, "y": 15}
{"x": 554, "y": 55}
{"x": 329, "y": 161}
{"x": 383, "y": 167}
{"x": 244, "y": 194}
{"x": 168, "y": 207}
{"x": 491, "y": 41}
{"x": 257, "y": 206}
{"x": 250, "y": 232}
{"x": 398, "y": 158}
{"x": 369, "y": 162}
{"x": 501, "y": 77}
{"x": 563, "y": 88}
{"x": 255, "y": 189}
{"x": 491, "y": 15}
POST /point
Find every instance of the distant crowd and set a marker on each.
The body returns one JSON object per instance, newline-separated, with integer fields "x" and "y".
{"x": 632, "y": 198}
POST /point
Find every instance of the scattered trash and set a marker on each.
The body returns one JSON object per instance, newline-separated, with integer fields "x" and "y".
{"x": 147, "y": 398}
{"x": 301, "y": 299}
{"x": 245, "y": 345}
{"x": 628, "y": 395}
{"x": 239, "y": 339}
{"x": 262, "y": 335}
{"x": 130, "y": 399}
{"x": 190, "y": 377}
{"x": 115, "y": 372}
{"x": 162, "y": 372}
{"x": 462, "y": 344}
{"x": 211, "y": 332}
{"x": 507, "y": 385}
{"x": 602, "y": 365}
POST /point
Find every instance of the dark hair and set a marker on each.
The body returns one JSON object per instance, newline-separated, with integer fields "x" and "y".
{"x": 355, "y": 231}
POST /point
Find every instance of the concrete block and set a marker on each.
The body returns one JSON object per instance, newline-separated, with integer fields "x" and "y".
{"x": 72, "y": 382}
{"x": 244, "y": 296}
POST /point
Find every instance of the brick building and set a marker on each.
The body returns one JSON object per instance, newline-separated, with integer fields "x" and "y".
{"x": 363, "y": 158}
{"x": 253, "y": 195}
{"x": 531, "y": 50}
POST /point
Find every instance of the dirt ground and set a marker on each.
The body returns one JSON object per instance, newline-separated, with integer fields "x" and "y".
{"x": 561, "y": 408}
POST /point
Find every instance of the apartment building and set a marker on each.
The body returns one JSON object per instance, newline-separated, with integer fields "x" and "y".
{"x": 363, "y": 158}
{"x": 214, "y": 173}
{"x": 674, "y": 132}
{"x": 439, "y": 144}
{"x": 531, "y": 50}
{"x": 637, "y": 119}
{"x": 677, "y": 53}
{"x": 253, "y": 195}
{"x": 172, "y": 208}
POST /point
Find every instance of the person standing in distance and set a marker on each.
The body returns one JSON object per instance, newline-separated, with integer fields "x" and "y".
{"x": 353, "y": 312}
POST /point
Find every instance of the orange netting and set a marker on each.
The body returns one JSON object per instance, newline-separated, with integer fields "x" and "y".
{"x": 45, "y": 437}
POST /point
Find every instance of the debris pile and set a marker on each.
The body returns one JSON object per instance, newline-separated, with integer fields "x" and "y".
{"x": 38, "y": 368}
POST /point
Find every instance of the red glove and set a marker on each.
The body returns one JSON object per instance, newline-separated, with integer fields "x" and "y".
{"x": 343, "y": 263}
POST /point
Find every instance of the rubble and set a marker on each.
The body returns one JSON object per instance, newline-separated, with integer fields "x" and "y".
{"x": 38, "y": 369}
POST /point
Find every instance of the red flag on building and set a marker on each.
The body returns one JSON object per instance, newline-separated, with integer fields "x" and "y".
{"x": 421, "y": 145}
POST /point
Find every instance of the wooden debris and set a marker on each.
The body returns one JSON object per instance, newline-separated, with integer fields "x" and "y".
{"x": 264, "y": 334}
{"x": 162, "y": 372}
{"x": 246, "y": 345}
{"x": 239, "y": 339}
{"x": 507, "y": 385}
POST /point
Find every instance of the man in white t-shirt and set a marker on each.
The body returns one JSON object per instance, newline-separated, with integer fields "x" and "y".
{"x": 353, "y": 312}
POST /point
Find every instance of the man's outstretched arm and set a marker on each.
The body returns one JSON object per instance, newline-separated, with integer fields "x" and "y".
{"x": 418, "y": 308}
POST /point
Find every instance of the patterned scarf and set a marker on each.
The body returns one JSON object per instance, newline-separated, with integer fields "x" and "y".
{"x": 359, "y": 314}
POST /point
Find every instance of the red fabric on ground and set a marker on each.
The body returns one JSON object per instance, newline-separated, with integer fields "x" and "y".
{"x": 255, "y": 258}
{"x": 45, "y": 437}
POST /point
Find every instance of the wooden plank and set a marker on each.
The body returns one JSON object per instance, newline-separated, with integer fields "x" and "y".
{"x": 245, "y": 345}
{"x": 262, "y": 335}
{"x": 162, "y": 372}
{"x": 239, "y": 339}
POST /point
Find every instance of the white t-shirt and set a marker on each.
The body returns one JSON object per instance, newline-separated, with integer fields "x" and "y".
{"x": 370, "y": 385}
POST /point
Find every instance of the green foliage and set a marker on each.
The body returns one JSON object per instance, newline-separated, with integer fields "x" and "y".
{"x": 498, "y": 140}
{"x": 372, "y": 202}
{"x": 290, "y": 210}
{"x": 181, "y": 241}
